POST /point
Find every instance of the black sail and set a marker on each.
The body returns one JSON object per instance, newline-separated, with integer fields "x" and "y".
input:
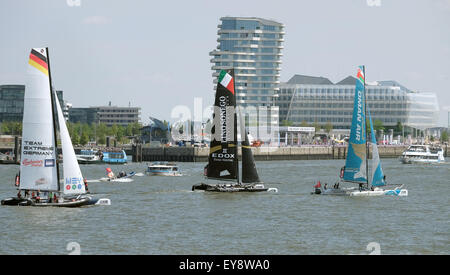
{"x": 223, "y": 161}
{"x": 249, "y": 172}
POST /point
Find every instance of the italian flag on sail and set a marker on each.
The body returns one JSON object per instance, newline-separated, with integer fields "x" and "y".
{"x": 226, "y": 80}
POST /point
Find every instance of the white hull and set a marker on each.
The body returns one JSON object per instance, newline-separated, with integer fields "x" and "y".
{"x": 422, "y": 154}
{"x": 171, "y": 174}
{"x": 116, "y": 180}
{"x": 380, "y": 192}
{"x": 407, "y": 160}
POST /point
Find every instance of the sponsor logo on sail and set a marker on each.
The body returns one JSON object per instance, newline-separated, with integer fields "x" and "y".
{"x": 74, "y": 183}
{"x": 41, "y": 181}
{"x": 32, "y": 163}
{"x": 49, "y": 163}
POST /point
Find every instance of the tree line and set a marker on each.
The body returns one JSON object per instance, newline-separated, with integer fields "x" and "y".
{"x": 83, "y": 133}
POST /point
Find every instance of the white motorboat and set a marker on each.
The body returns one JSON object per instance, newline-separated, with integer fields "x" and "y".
{"x": 163, "y": 168}
{"x": 88, "y": 157}
{"x": 422, "y": 154}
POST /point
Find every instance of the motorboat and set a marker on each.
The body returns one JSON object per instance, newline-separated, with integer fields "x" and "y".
{"x": 163, "y": 168}
{"x": 422, "y": 154}
{"x": 89, "y": 157}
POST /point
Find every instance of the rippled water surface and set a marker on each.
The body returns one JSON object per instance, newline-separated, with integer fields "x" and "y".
{"x": 160, "y": 215}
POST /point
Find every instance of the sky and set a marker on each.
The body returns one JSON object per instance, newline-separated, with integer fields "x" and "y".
{"x": 155, "y": 54}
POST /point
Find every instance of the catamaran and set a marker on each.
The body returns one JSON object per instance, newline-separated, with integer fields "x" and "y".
{"x": 39, "y": 168}
{"x": 356, "y": 169}
{"x": 223, "y": 163}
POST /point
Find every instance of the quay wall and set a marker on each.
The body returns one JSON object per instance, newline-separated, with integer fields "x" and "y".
{"x": 196, "y": 154}
{"x": 141, "y": 153}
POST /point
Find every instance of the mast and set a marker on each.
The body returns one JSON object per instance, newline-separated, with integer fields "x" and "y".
{"x": 236, "y": 163}
{"x": 365, "y": 117}
{"x": 52, "y": 96}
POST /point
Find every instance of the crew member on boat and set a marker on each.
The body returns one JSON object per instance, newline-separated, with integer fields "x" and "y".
{"x": 110, "y": 173}
{"x": 86, "y": 185}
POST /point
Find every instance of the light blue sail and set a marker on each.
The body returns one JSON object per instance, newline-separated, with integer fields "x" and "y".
{"x": 377, "y": 172}
{"x": 355, "y": 164}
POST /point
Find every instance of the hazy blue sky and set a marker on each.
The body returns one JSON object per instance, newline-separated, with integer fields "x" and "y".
{"x": 155, "y": 54}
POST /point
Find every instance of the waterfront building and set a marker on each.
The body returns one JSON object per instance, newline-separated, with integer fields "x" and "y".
{"x": 108, "y": 115}
{"x": 11, "y": 102}
{"x": 252, "y": 46}
{"x": 308, "y": 100}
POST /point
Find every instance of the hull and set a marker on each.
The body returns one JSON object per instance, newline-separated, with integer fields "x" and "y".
{"x": 334, "y": 191}
{"x": 66, "y": 203}
{"x": 232, "y": 188}
{"x": 88, "y": 161}
{"x": 127, "y": 178}
{"x": 355, "y": 192}
{"x": 381, "y": 192}
{"x": 97, "y": 201}
{"x": 27, "y": 202}
{"x": 164, "y": 173}
{"x": 15, "y": 202}
{"x": 408, "y": 160}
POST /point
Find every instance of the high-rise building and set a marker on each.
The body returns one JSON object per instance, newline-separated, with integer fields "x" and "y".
{"x": 317, "y": 100}
{"x": 252, "y": 47}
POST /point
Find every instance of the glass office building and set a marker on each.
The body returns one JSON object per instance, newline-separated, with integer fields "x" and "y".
{"x": 11, "y": 102}
{"x": 108, "y": 115}
{"x": 308, "y": 99}
{"x": 252, "y": 46}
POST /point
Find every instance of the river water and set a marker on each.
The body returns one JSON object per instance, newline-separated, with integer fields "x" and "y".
{"x": 160, "y": 215}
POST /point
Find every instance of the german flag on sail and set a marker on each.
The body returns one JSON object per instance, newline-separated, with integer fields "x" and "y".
{"x": 39, "y": 60}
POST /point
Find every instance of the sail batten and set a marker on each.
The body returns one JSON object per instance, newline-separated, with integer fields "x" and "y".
{"x": 355, "y": 165}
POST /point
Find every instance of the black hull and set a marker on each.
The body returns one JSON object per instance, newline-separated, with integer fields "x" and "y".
{"x": 227, "y": 188}
{"x": 28, "y": 202}
{"x": 16, "y": 202}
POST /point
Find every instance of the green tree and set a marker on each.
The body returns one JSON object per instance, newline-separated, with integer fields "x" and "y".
{"x": 120, "y": 133}
{"x": 444, "y": 137}
{"x": 378, "y": 125}
{"x": 286, "y": 123}
{"x": 328, "y": 127}
{"x": 84, "y": 139}
{"x": 75, "y": 138}
{"x": 398, "y": 128}
{"x": 5, "y": 128}
{"x": 136, "y": 126}
{"x": 316, "y": 126}
{"x": 304, "y": 123}
{"x": 102, "y": 131}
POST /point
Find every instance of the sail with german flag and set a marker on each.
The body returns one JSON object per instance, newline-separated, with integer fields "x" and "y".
{"x": 38, "y": 169}
{"x": 223, "y": 159}
{"x": 38, "y": 60}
